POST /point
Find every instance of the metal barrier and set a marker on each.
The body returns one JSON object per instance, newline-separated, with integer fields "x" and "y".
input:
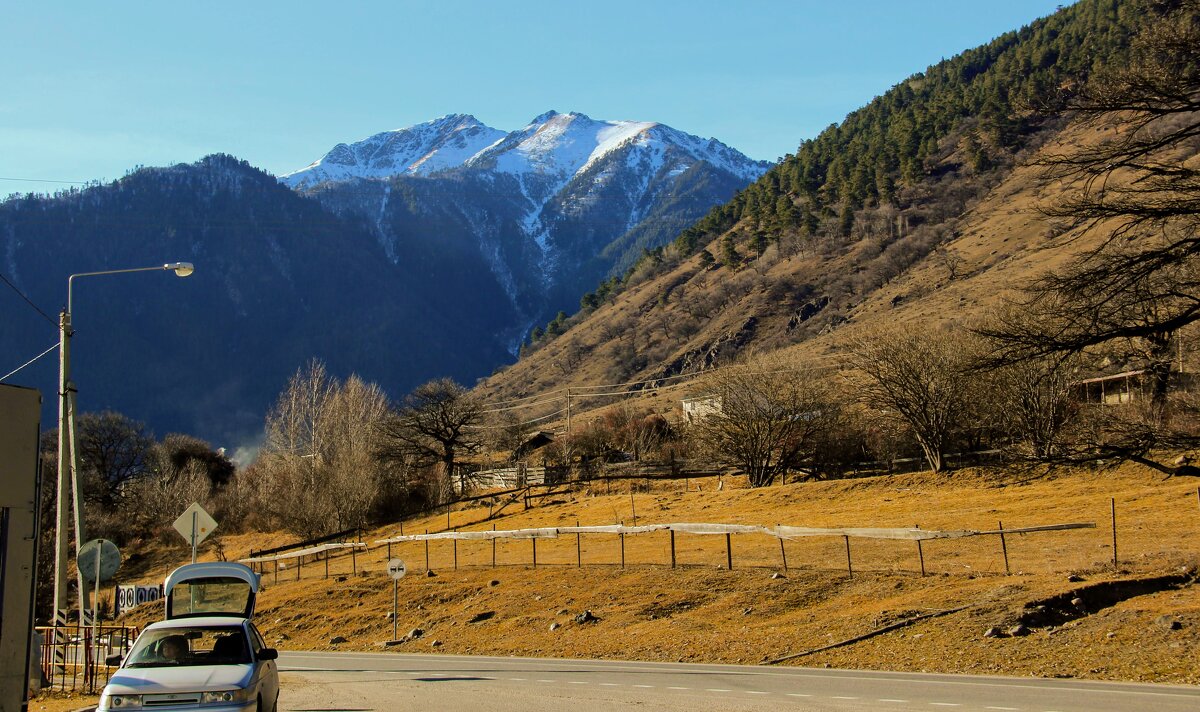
{"x": 73, "y": 656}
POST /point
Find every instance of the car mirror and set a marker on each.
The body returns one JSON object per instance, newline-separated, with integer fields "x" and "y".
{"x": 268, "y": 654}
{"x": 113, "y": 660}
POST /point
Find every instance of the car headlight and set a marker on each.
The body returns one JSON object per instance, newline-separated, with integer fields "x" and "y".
{"x": 110, "y": 701}
{"x": 240, "y": 695}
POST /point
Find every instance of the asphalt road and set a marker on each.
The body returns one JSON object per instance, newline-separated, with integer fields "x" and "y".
{"x": 357, "y": 682}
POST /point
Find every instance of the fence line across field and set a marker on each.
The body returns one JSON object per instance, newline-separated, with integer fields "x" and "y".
{"x": 781, "y": 532}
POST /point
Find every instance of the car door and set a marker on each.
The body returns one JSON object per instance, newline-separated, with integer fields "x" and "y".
{"x": 268, "y": 670}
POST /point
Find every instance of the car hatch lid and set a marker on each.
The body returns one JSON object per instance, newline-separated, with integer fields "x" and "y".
{"x": 217, "y": 588}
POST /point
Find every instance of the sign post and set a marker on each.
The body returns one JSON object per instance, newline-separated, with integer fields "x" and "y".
{"x": 396, "y": 569}
{"x": 97, "y": 561}
{"x": 195, "y": 525}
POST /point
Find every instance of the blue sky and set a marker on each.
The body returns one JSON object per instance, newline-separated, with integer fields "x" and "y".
{"x": 91, "y": 90}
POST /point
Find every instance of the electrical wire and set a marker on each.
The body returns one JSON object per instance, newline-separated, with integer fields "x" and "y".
{"x": 28, "y": 301}
{"x": 27, "y": 363}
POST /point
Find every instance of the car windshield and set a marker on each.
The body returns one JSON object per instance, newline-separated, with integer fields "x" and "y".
{"x": 196, "y": 645}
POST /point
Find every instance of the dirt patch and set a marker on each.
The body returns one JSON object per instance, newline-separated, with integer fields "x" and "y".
{"x": 1088, "y": 600}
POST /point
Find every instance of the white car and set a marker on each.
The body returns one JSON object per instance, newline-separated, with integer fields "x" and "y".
{"x": 206, "y": 655}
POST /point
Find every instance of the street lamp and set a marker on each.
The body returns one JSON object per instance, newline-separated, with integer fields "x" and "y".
{"x": 67, "y": 475}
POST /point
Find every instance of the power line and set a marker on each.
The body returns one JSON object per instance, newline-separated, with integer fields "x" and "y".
{"x": 45, "y": 180}
{"x": 30, "y": 361}
{"x": 28, "y": 300}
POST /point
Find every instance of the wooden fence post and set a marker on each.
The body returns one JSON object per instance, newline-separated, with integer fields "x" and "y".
{"x": 672, "y": 533}
{"x": 849, "y": 564}
{"x": 276, "y": 570}
{"x": 455, "y": 553}
{"x": 493, "y": 548}
{"x": 920, "y": 552}
{"x": 1004, "y": 549}
{"x": 728, "y": 551}
{"x": 327, "y": 560}
{"x": 354, "y": 558}
{"x": 622, "y": 535}
{"x": 1113, "y": 503}
{"x": 299, "y": 562}
{"x": 578, "y": 547}
{"x": 782, "y": 552}
{"x": 534, "y": 540}
{"x": 426, "y": 552}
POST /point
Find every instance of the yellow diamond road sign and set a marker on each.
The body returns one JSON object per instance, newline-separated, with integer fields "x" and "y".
{"x": 197, "y": 517}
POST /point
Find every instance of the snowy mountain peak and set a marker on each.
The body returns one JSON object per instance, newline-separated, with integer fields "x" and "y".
{"x": 553, "y": 146}
{"x": 446, "y": 142}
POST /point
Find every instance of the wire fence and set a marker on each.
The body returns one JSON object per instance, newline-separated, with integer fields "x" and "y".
{"x": 676, "y": 545}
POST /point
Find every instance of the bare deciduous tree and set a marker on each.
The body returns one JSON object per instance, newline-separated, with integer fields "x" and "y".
{"x": 923, "y": 375}
{"x": 768, "y": 418}
{"x": 320, "y": 452}
{"x": 435, "y": 423}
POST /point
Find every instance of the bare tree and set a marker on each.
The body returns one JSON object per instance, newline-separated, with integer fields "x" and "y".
{"x": 354, "y": 416}
{"x": 319, "y": 457}
{"x": 434, "y": 424}
{"x": 1036, "y": 405}
{"x": 768, "y": 418}
{"x": 924, "y": 376}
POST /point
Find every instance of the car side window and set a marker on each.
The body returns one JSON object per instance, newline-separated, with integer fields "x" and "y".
{"x": 256, "y": 641}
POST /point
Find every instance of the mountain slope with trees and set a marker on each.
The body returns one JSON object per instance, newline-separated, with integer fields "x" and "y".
{"x": 928, "y": 204}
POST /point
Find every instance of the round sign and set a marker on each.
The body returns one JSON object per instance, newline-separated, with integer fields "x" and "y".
{"x": 397, "y": 569}
{"x": 99, "y": 558}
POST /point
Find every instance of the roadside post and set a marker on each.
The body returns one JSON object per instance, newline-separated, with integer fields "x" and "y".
{"x": 97, "y": 561}
{"x": 396, "y": 569}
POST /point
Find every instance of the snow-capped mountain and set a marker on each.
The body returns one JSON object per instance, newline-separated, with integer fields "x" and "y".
{"x": 422, "y": 149}
{"x": 552, "y": 208}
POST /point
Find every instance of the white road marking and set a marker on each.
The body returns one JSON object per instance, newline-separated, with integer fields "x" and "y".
{"x": 797, "y": 694}
{"x": 577, "y": 682}
{"x": 945, "y": 704}
{"x": 896, "y": 701}
{"x": 648, "y": 687}
{"x": 609, "y": 684}
{"x": 1004, "y": 709}
{"x": 517, "y": 679}
{"x": 717, "y": 689}
{"x": 756, "y": 692}
{"x": 679, "y": 688}
{"x": 835, "y": 697}
{"x": 551, "y": 681}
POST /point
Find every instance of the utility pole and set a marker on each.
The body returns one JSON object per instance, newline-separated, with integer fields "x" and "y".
{"x": 568, "y": 410}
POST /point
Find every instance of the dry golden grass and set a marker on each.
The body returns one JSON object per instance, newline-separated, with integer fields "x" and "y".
{"x": 702, "y": 612}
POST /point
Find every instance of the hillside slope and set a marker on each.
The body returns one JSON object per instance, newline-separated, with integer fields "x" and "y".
{"x": 1140, "y": 621}
{"x": 923, "y": 206}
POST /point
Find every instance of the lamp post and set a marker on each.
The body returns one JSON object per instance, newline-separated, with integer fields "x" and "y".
{"x": 67, "y": 474}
